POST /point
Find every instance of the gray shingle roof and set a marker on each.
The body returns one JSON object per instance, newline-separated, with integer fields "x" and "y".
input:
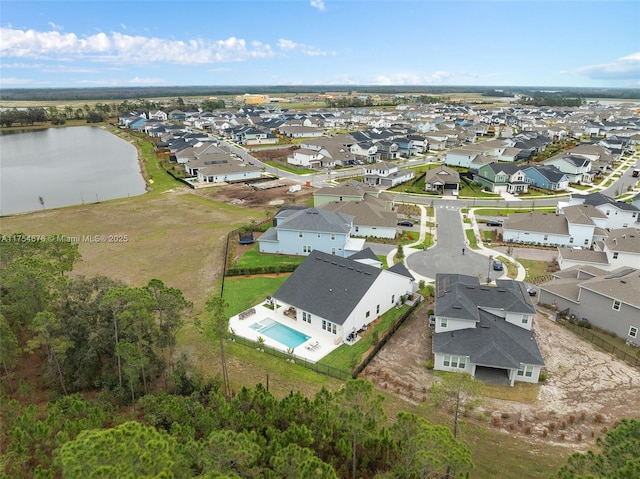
{"x": 493, "y": 343}
{"x": 327, "y": 286}
{"x": 316, "y": 219}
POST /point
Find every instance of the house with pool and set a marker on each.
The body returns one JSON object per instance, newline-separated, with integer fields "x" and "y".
{"x": 325, "y": 302}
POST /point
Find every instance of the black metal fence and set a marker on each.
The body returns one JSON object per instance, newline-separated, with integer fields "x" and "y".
{"x": 317, "y": 367}
{"x": 599, "y": 341}
{"x": 394, "y": 327}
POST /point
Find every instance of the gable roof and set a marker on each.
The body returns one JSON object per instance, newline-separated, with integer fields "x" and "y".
{"x": 442, "y": 174}
{"x": 315, "y": 219}
{"x": 598, "y": 199}
{"x": 328, "y": 286}
{"x": 493, "y": 342}
{"x": 348, "y": 188}
{"x": 368, "y": 212}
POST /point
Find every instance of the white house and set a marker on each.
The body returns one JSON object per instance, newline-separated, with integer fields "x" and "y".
{"x": 386, "y": 174}
{"x": 372, "y": 217}
{"x": 299, "y": 231}
{"x": 577, "y": 168}
{"x": 484, "y": 330}
{"x": 619, "y": 214}
{"x": 336, "y": 297}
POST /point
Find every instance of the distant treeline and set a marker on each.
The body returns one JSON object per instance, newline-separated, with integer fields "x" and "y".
{"x": 82, "y": 94}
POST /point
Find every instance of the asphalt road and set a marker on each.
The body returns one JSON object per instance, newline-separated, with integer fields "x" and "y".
{"x": 447, "y": 254}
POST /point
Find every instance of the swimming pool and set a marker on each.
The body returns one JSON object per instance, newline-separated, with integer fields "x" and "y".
{"x": 279, "y": 332}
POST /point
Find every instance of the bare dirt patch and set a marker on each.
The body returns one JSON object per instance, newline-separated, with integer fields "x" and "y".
{"x": 586, "y": 392}
{"x": 244, "y": 195}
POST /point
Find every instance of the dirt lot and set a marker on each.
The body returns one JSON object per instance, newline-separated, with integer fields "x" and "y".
{"x": 241, "y": 194}
{"x": 587, "y": 390}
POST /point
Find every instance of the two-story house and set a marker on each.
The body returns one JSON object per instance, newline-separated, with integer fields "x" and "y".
{"x": 577, "y": 168}
{"x": 500, "y": 177}
{"x": 485, "y": 331}
{"x": 620, "y": 214}
{"x": 299, "y": 231}
{"x": 386, "y": 174}
{"x": 547, "y": 177}
{"x": 606, "y": 299}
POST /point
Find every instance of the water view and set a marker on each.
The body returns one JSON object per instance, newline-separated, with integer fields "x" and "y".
{"x": 65, "y": 166}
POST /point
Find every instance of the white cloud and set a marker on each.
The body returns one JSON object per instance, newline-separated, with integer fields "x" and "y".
{"x": 412, "y": 78}
{"x": 121, "y": 48}
{"x": 15, "y": 81}
{"x": 291, "y": 46}
{"x": 136, "y": 81}
{"x": 55, "y": 26}
{"x": 623, "y": 68}
{"x": 319, "y": 4}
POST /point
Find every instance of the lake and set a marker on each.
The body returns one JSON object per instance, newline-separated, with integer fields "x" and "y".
{"x": 65, "y": 166}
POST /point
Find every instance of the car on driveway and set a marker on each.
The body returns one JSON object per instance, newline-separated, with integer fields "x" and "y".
{"x": 497, "y": 265}
{"x": 531, "y": 290}
{"x": 405, "y": 223}
{"x": 494, "y": 223}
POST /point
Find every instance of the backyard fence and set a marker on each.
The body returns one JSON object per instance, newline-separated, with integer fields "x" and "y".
{"x": 390, "y": 332}
{"x": 632, "y": 360}
{"x": 317, "y": 367}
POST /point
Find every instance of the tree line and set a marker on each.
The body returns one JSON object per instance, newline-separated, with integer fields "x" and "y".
{"x": 151, "y": 416}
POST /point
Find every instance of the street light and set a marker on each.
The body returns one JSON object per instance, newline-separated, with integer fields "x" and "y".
{"x": 489, "y": 269}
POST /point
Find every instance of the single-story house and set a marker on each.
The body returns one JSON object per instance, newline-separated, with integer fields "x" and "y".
{"x": 339, "y": 296}
{"x": 442, "y": 179}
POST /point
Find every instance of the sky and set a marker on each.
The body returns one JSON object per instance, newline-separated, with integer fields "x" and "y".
{"x": 552, "y": 43}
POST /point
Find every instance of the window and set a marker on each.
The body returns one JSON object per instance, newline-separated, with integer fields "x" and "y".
{"x": 616, "y": 305}
{"x": 328, "y": 326}
{"x": 525, "y": 320}
{"x": 333, "y": 251}
{"x": 633, "y": 332}
{"x": 459, "y": 362}
{"x": 526, "y": 371}
{"x": 443, "y": 322}
{"x": 299, "y": 234}
{"x": 546, "y": 237}
{"x": 357, "y": 229}
{"x": 319, "y": 234}
{"x": 367, "y": 314}
{"x": 393, "y": 298}
{"x": 333, "y": 237}
{"x": 571, "y": 240}
{"x": 378, "y": 309}
{"x": 306, "y": 248}
{"x": 306, "y": 317}
{"x": 608, "y": 212}
{"x": 586, "y": 242}
{"x": 615, "y": 255}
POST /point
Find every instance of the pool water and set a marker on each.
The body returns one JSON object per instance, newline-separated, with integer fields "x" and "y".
{"x": 281, "y": 333}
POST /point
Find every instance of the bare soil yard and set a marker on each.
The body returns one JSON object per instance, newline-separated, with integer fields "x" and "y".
{"x": 587, "y": 390}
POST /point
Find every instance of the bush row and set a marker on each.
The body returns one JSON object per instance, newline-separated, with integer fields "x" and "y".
{"x": 268, "y": 269}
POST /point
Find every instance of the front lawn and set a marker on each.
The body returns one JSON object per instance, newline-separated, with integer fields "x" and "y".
{"x": 471, "y": 238}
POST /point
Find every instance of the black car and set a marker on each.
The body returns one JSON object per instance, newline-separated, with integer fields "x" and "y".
{"x": 405, "y": 223}
{"x": 494, "y": 223}
{"x": 531, "y": 290}
{"x": 497, "y": 265}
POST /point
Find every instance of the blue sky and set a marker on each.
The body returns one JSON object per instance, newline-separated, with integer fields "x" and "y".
{"x": 319, "y": 42}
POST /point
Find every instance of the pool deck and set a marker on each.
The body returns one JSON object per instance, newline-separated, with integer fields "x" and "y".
{"x": 242, "y": 327}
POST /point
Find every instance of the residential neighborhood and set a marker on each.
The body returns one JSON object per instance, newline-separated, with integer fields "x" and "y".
{"x": 363, "y": 156}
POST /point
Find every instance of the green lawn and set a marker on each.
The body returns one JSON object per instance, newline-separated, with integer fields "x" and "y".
{"x": 507, "y": 211}
{"x": 253, "y": 258}
{"x": 242, "y": 293}
{"x": 534, "y": 268}
{"x": 290, "y": 169}
{"x": 471, "y": 238}
{"x": 344, "y": 356}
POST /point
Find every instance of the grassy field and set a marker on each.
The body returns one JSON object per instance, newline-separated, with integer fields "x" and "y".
{"x": 534, "y": 268}
{"x": 253, "y": 257}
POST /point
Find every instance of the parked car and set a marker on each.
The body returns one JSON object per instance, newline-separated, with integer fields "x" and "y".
{"x": 531, "y": 290}
{"x": 497, "y": 265}
{"x": 494, "y": 223}
{"x": 405, "y": 223}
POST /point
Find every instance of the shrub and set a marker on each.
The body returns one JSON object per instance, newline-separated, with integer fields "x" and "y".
{"x": 543, "y": 377}
{"x": 429, "y": 364}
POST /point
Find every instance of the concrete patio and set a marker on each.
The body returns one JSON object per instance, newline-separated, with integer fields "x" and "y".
{"x": 248, "y": 324}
